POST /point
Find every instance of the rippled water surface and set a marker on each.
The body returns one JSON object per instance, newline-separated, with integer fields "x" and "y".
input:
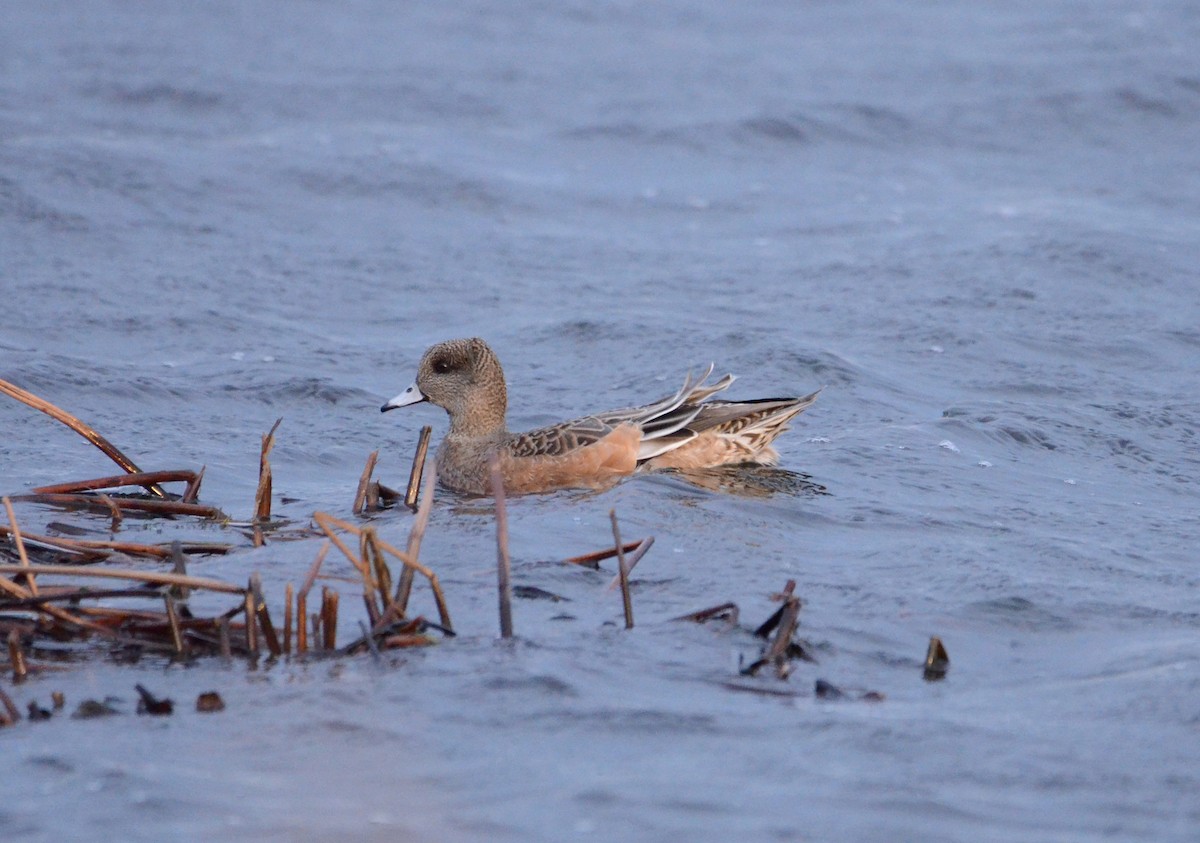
{"x": 977, "y": 225}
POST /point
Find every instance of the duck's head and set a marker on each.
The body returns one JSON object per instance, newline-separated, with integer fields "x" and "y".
{"x": 465, "y": 379}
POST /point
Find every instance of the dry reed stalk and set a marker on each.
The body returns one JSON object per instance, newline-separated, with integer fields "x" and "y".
{"x": 157, "y": 577}
{"x": 360, "y": 497}
{"x": 8, "y": 709}
{"x": 301, "y": 623}
{"x": 173, "y": 620}
{"x": 251, "y": 623}
{"x": 263, "y": 616}
{"x": 639, "y": 550}
{"x": 329, "y": 615}
{"x": 16, "y": 655}
{"x": 114, "y": 511}
{"x": 191, "y": 492}
{"x": 302, "y": 599}
{"x": 417, "y": 532}
{"x": 373, "y": 554}
{"x": 262, "y": 496}
{"x": 623, "y": 568}
{"x": 728, "y": 611}
{"x": 777, "y": 653}
{"x": 117, "y": 481}
{"x": 82, "y": 546}
{"x": 110, "y": 450}
{"x": 327, "y": 522}
{"x": 503, "y": 562}
{"x": 418, "y": 466}
{"x": 178, "y": 566}
{"x": 223, "y": 638}
{"x": 592, "y": 560}
{"x": 14, "y": 528}
{"x": 287, "y": 620}
{"x": 163, "y": 507}
{"x": 770, "y": 623}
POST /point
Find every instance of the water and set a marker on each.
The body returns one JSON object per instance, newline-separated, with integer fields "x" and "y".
{"x": 975, "y": 224}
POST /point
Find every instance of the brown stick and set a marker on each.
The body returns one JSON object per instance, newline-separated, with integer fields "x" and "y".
{"x": 117, "y": 481}
{"x": 251, "y": 623}
{"x": 16, "y": 655}
{"x": 418, "y": 466}
{"x": 301, "y": 623}
{"x": 223, "y": 638}
{"x": 415, "y": 535}
{"x": 9, "y": 715}
{"x": 327, "y": 522}
{"x": 503, "y": 563}
{"x": 30, "y": 580}
{"x": 131, "y": 504}
{"x": 173, "y": 620}
{"x": 262, "y": 496}
{"x": 287, "y": 620}
{"x": 360, "y": 497}
{"x": 161, "y": 551}
{"x": 592, "y": 560}
{"x": 160, "y": 578}
{"x": 113, "y": 510}
{"x": 264, "y": 616}
{"x": 110, "y": 450}
{"x": 632, "y": 559}
{"x": 192, "y": 491}
{"x": 623, "y": 568}
{"x": 329, "y": 613}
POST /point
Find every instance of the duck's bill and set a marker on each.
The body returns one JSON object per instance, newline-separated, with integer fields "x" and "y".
{"x": 412, "y": 395}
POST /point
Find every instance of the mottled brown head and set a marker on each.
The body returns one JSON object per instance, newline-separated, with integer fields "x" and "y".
{"x": 464, "y": 378}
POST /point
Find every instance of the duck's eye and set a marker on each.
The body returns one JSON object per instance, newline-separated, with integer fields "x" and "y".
{"x": 442, "y": 365}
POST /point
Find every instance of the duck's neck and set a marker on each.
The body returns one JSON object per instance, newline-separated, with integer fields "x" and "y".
{"x": 483, "y": 412}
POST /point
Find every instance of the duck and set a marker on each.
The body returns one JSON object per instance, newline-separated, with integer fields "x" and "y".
{"x": 685, "y": 430}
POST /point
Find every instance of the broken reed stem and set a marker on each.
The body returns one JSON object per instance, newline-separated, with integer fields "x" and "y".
{"x": 327, "y": 522}
{"x": 192, "y": 491}
{"x": 623, "y": 568}
{"x": 777, "y": 652}
{"x": 16, "y": 655}
{"x": 287, "y": 620}
{"x": 360, "y": 497}
{"x": 223, "y": 638}
{"x": 262, "y": 496}
{"x": 251, "y": 624}
{"x": 82, "y": 546}
{"x": 503, "y": 563}
{"x": 263, "y": 616}
{"x": 639, "y": 550}
{"x": 173, "y": 620}
{"x": 156, "y": 577}
{"x": 592, "y": 560}
{"x": 117, "y": 481}
{"x": 163, "y": 507}
{"x": 9, "y": 715}
{"x": 110, "y": 450}
{"x": 30, "y": 580}
{"x": 417, "y": 532}
{"x": 302, "y": 599}
{"x": 373, "y": 554}
{"x": 418, "y": 466}
{"x": 329, "y": 614}
{"x": 114, "y": 511}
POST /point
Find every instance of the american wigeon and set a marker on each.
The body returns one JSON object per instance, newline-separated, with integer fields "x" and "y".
{"x": 683, "y": 431}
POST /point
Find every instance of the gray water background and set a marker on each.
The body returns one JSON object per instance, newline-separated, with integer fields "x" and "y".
{"x": 976, "y": 224}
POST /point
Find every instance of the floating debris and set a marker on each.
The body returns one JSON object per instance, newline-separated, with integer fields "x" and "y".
{"x": 150, "y": 704}
{"x": 37, "y": 713}
{"x": 724, "y": 611}
{"x": 209, "y": 702}
{"x": 937, "y": 660}
{"x": 90, "y": 709}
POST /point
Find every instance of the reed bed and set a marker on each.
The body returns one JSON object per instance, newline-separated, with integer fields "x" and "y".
{"x": 58, "y": 589}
